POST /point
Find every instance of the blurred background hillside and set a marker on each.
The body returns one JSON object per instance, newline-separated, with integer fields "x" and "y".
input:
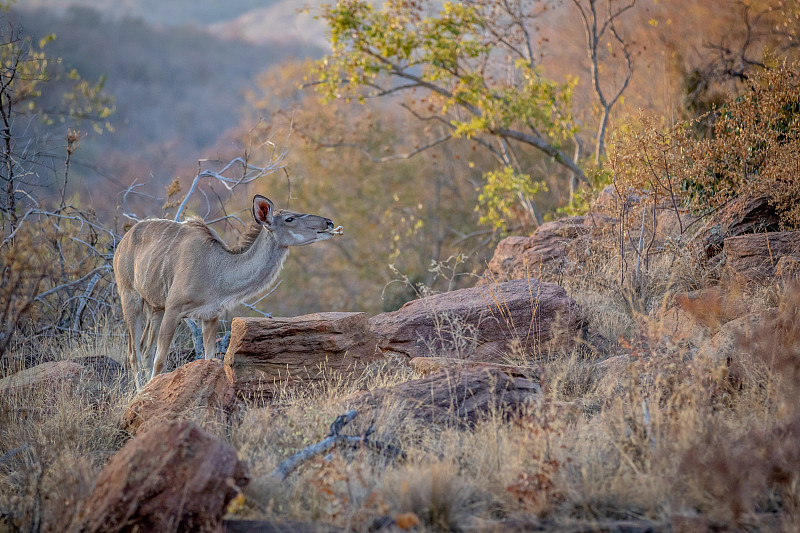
{"x": 195, "y": 80}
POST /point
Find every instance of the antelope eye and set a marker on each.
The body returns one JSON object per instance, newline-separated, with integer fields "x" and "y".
{"x": 288, "y": 219}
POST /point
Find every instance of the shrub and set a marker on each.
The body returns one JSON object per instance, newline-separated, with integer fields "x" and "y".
{"x": 754, "y": 148}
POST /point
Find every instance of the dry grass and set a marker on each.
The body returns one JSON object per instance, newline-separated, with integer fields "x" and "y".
{"x": 642, "y": 433}
{"x": 54, "y": 440}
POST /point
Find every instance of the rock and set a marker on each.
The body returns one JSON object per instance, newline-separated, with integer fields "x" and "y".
{"x": 431, "y": 365}
{"x": 754, "y": 257}
{"x": 787, "y": 269}
{"x": 108, "y": 370}
{"x": 731, "y": 340}
{"x": 198, "y": 391}
{"x": 266, "y": 354}
{"x": 740, "y": 216}
{"x": 174, "y": 477}
{"x": 460, "y": 397}
{"x": 47, "y": 379}
{"x": 547, "y": 248}
{"x": 483, "y": 322}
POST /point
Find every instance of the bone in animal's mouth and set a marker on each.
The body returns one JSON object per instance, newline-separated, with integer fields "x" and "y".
{"x": 338, "y": 230}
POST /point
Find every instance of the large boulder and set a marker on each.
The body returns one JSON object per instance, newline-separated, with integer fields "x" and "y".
{"x": 459, "y": 397}
{"x": 266, "y": 354}
{"x": 108, "y": 370}
{"x": 482, "y": 323}
{"x": 198, "y": 391}
{"x": 754, "y": 257}
{"x": 47, "y": 380}
{"x": 547, "y": 248}
{"x": 175, "y": 477}
{"x": 740, "y": 216}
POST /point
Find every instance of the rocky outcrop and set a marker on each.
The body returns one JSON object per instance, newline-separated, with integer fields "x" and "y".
{"x": 547, "y": 248}
{"x": 47, "y": 379}
{"x": 265, "y": 354}
{"x": 754, "y": 257}
{"x": 175, "y": 477}
{"x": 482, "y": 323}
{"x": 740, "y": 216}
{"x": 458, "y": 397}
{"x": 108, "y": 370}
{"x": 198, "y": 391}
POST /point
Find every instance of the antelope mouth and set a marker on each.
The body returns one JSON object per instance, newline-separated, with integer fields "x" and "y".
{"x": 338, "y": 230}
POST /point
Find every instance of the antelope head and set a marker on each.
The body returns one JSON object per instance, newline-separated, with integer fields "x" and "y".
{"x": 290, "y": 228}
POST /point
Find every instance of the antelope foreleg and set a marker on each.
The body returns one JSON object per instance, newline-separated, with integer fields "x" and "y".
{"x": 210, "y": 337}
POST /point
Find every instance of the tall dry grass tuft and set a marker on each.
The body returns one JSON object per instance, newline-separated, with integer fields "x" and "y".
{"x": 741, "y": 475}
{"x": 55, "y": 438}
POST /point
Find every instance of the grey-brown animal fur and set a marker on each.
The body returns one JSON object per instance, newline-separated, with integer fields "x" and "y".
{"x": 167, "y": 271}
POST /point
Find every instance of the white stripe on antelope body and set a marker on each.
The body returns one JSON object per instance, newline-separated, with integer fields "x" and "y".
{"x": 167, "y": 271}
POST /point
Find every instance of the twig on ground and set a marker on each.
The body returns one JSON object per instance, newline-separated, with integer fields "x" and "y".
{"x": 331, "y": 441}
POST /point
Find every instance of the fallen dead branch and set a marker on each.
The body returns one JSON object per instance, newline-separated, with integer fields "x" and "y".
{"x": 333, "y": 440}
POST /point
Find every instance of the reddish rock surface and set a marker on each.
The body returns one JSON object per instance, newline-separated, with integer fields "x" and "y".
{"x": 483, "y": 322}
{"x": 548, "y": 247}
{"x": 197, "y": 391}
{"x": 175, "y": 477}
{"x": 458, "y": 397}
{"x": 754, "y": 257}
{"x": 740, "y": 216}
{"x": 265, "y": 354}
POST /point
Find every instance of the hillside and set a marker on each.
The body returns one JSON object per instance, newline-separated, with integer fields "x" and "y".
{"x": 177, "y": 89}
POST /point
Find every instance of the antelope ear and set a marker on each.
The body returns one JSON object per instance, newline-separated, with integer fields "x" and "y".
{"x": 263, "y": 208}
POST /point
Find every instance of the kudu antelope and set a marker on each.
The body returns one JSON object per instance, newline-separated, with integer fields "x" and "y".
{"x": 167, "y": 271}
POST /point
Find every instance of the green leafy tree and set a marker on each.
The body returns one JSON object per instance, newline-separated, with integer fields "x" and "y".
{"x": 469, "y": 71}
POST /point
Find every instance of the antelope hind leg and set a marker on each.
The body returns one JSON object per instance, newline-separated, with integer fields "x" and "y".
{"x": 169, "y": 321}
{"x": 149, "y": 341}
{"x": 132, "y": 313}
